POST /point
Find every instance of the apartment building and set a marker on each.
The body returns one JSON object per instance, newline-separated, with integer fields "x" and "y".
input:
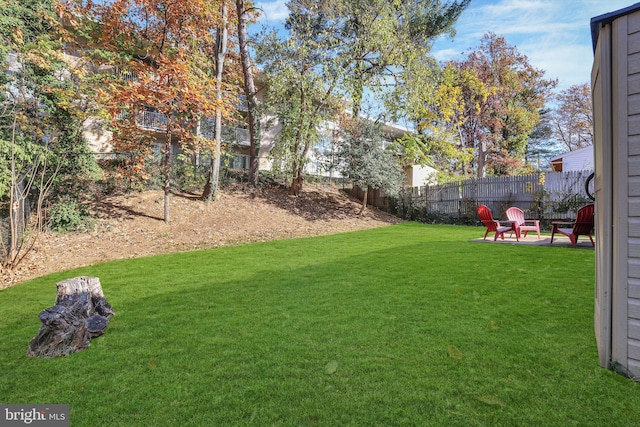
{"x": 235, "y": 139}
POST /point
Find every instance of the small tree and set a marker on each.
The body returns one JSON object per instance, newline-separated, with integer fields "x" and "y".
{"x": 166, "y": 48}
{"x": 30, "y": 178}
{"x": 542, "y": 146}
{"x": 363, "y": 159}
{"x": 41, "y": 146}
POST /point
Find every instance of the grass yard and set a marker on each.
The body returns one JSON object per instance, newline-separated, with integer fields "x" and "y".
{"x": 407, "y": 325}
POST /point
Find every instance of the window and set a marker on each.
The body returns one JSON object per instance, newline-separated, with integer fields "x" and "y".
{"x": 238, "y": 161}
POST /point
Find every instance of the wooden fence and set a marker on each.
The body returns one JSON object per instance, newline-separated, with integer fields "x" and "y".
{"x": 545, "y": 195}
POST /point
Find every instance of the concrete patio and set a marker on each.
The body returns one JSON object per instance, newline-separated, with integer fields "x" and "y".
{"x": 532, "y": 239}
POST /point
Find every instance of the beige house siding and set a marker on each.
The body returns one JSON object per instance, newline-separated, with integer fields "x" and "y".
{"x": 99, "y": 139}
{"x": 602, "y": 138}
{"x": 616, "y": 101}
{"x": 632, "y": 155}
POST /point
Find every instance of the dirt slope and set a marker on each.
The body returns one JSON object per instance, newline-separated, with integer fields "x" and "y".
{"x": 132, "y": 226}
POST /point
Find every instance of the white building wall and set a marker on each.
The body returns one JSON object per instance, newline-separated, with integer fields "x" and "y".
{"x": 580, "y": 159}
{"x": 269, "y": 128}
{"x": 422, "y": 175}
{"x": 577, "y": 160}
{"x": 99, "y": 139}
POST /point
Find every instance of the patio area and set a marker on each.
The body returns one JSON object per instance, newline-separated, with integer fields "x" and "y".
{"x": 532, "y": 239}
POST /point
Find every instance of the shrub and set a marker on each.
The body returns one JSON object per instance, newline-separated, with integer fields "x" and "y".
{"x": 68, "y": 215}
{"x": 188, "y": 175}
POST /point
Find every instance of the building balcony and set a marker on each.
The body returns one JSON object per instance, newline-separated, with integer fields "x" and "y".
{"x": 151, "y": 120}
{"x": 154, "y": 121}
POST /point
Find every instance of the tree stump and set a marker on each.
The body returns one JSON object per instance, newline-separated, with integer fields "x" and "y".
{"x": 81, "y": 312}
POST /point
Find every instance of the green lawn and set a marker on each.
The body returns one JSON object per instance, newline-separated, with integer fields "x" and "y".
{"x": 407, "y": 325}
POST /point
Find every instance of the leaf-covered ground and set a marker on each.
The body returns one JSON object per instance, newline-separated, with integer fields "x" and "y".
{"x": 132, "y": 226}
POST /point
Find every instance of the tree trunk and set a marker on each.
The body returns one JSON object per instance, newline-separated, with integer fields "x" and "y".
{"x": 17, "y": 218}
{"x": 359, "y": 74}
{"x": 210, "y": 192}
{"x": 250, "y": 92}
{"x": 298, "y": 165}
{"x": 299, "y": 158}
{"x": 211, "y": 188}
{"x": 358, "y": 92}
{"x": 16, "y": 209}
{"x": 166, "y": 164}
{"x": 296, "y": 184}
{"x": 364, "y": 200}
{"x": 294, "y": 188}
{"x": 81, "y": 312}
{"x": 482, "y": 157}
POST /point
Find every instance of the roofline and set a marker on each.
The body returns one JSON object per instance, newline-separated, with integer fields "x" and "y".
{"x": 569, "y": 153}
{"x": 395, "y": 127}
{"x": 598, "y": 22}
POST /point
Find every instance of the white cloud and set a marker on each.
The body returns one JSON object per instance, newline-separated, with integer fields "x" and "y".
{"x": 444, "y": 55}
{"x": 570, "y": 64}
{"x": 273, "y": 11}
{"x": 554, "y": 35}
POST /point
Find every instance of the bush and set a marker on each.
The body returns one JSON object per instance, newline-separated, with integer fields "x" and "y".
{"x": 189, "y": 177}
{"x": 407, "y": 210}
{"x": 69, "y": 215}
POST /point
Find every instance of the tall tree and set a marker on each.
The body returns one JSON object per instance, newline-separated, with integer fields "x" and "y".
{"x": 167, "y": 47}
{"x": 244, "y": 15}
{"x": 339, "y": 47}
{"x": 378, "y": 38}
{"x": 432, "y": 97}
{"x": 221, "y": 48}
{"x": 542, "y": 146}
{"x": 572, "y": 119}
{"x": 303, "y": 79}
{"x": 500, "y": 113}
{"x": 363, "y": 158}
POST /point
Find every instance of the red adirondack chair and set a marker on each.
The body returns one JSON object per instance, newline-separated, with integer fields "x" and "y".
{"x": 582, "y": 226}
{"x": 516, "y": 215}
{"x": 493, "y": 225}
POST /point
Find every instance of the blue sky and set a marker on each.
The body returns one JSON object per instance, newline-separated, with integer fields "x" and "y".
{"x": 554, "y": 34}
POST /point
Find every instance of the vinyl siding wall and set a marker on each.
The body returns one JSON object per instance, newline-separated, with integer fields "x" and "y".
{"x": 629, "y": 156}
{"x": 578, "y": 160}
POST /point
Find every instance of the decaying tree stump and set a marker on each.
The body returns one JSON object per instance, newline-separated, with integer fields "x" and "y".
{"x": 80, "y": 313}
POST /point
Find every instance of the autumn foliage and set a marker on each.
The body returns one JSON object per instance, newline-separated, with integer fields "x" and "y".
{"x": 503, "y": 95}
{"x": 159, "y": 58}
